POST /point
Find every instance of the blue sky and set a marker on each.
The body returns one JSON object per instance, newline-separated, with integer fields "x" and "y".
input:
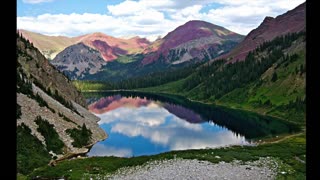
{"x": 146, "y": 18}
{"x": 63, "y": 6}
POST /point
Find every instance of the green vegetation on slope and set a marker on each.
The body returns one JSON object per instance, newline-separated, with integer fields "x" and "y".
{"x": 270, "y": 81}
{"x": 91, "y": 85}
{"x": 66, "y": 118}
{"x": 81, "y": 136}
{"x": 131, "y": 67}
{"x": 283, "y": 97}
{"x": 129, "y": 58}
{"x": 52, "y": 139}
{"x": 42, "y": 102}
{"x": 151, "y": 79}
{"x": 57, "y": 97}
{"x": 287, "y": 152}
{"x": 24, "y": 86}
{"x": 43, "y": 74}
{"x": 31, "y": 153}
{"x": 217, "y": 79}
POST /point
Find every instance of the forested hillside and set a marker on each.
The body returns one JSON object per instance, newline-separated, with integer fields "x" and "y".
{"x": 271, "y": 80}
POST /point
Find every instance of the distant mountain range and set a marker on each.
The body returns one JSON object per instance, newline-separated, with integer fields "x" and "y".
{"x": 193, "y": 42}
{"x": 49, "y": 46}
{"x": 105, "y": 58}
{"x": 264, "y": 73}
{"x": 109, "y": 47}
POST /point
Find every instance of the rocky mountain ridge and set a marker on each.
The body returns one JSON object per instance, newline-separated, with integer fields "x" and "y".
{"x": 109, "y": 47}
{"x": 193, "y": 42}
{"x": 289, "y": 22}
{"x": 52, "y": 109}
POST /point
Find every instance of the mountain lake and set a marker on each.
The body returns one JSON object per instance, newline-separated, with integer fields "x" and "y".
{"x": 146, "y": 124}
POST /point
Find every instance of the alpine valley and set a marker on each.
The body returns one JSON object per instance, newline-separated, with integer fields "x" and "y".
{"x": 187, "y": 95}
{"x": 101, "y": 57}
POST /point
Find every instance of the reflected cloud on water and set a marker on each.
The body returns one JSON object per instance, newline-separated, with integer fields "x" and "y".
{"x": 102, "y": 150}
{"x": 158, "y": 125}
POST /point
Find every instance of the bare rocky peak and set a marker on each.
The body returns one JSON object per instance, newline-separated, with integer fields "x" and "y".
{"x": 78, "y": 60}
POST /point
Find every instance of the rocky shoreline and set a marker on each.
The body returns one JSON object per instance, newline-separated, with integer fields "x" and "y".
{"x": 262, "y": 169}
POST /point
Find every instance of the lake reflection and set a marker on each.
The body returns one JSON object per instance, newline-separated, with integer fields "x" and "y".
{"x": 139, "y": 126}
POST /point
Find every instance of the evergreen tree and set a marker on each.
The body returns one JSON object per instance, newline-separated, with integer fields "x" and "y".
{"x": 274, "y": 77}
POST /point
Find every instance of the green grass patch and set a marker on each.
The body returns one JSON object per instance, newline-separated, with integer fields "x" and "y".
{"x": 174, "y": 87}
{"x": 284, "y": 151}
{"x": 21, "y": 177}
{"x": 125, "y": 59}
{"x": 90, "y": 85}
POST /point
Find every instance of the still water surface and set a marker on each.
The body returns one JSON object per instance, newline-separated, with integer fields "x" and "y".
{"x": 145, "y": 124}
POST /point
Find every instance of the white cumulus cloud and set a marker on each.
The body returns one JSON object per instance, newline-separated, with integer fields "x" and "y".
{"x": 150, "y": 18}
{"x": 35, "y": 1}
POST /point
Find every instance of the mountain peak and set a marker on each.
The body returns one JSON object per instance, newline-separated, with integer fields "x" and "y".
{"x": 292, "y": 21}
{"x": 195, "y": 29}
{"x": 194, "y": 35}
{"x": 197, "y": 22}
{"x": 93, "y": 35}
{"x": 267, "y": 19}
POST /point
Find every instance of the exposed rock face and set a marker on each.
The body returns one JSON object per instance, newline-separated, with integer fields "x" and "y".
{"x": 290, "y": 22}
{"x": 78, "y": 60}
{"x": 44, "y": 78}
{"x": 195, "y": 39}
{"x": 93, "y": 52}
{"x": 110, "y": 47}
{"x": 107, "y": 51}
{"x": 46, "y": 74}
{"x": 30, "y": 109}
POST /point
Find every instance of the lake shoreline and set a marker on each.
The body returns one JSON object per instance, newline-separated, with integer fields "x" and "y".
{"x": 192, "y": 100}
{"x": 264, "y": 142}
{"x": 255, "y": 140}
{"x": 288, "y": 167}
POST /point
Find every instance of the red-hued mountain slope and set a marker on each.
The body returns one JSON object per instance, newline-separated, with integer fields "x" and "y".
{"x": 109, "y": 47}
{"x": 193, "y": 36}
{"x": 290, "y": 22}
